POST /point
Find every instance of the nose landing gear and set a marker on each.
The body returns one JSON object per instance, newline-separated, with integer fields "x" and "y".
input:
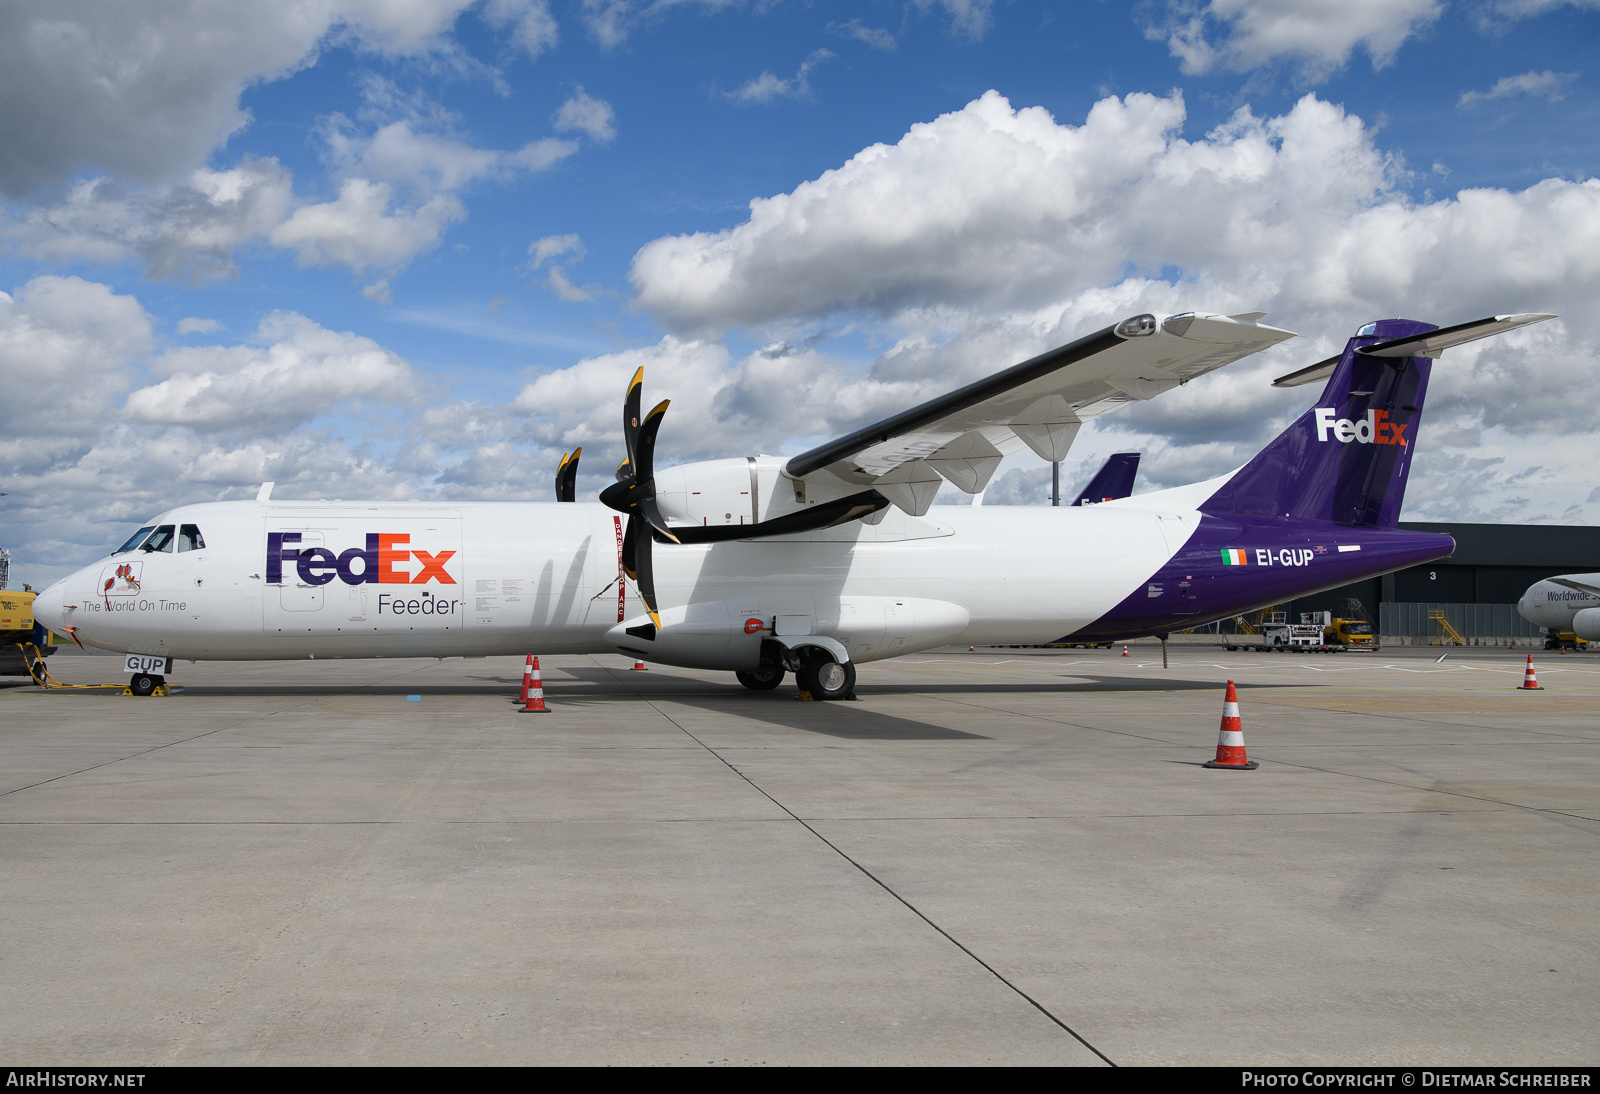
{"x": 145, "y": 683}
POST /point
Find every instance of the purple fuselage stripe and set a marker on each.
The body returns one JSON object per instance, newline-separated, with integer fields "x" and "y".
{"x": 1284, "y": 559}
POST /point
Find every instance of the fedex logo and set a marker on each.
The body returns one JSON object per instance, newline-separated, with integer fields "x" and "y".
{"x": 1375, "y": 428}
{"x": 377, "y": 564}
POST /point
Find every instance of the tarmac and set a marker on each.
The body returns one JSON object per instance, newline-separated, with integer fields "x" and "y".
{"x": 998, "y": 857}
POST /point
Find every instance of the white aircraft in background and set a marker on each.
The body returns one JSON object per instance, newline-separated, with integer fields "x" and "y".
{"x": 1569, "y": 602}
{"x": 765, "y": 565}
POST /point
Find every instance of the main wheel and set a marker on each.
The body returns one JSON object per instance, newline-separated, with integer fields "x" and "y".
{"x": 824, "y": 678}
{"x": 143, "y": 684}
{"x": 764, "y": 678}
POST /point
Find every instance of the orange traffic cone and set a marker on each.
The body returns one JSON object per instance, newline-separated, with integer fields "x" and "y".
{"x": 1124, "y": 649}
{"x": 527, "y": 680}
{"x": 972, "y": 649}
{"x": 1230, "y": 741}
{"x": 1530, "y": 682}
{"x": 534, "y": 703}
{"x": 638, "y": 665}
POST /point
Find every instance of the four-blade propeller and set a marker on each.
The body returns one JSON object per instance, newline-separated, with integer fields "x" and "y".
{"x": 634, "y": 493}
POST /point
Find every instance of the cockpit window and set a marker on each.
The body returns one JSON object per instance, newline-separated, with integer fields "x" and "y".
{"x": 135, "y": 539}
{"x": 161, "y": 539}
{"x": 190, "y": 539}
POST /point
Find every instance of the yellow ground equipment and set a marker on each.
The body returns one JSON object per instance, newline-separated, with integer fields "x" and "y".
{"x": 1444, "y": 632}
{"x": 17, "y": 626}
{"x": 1352, "y": 628}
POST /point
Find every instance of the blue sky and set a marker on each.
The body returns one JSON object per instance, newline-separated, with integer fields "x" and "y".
{"x": 345, "y": 200}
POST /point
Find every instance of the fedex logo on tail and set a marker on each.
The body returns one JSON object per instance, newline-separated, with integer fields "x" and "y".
{"x": 386, "y": 560}
{"x": 1375, "y": 428}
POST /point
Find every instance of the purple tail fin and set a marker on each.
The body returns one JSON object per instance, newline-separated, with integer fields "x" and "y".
{"x": 1114, "y": 480}
{"x": 1346, "y": 459}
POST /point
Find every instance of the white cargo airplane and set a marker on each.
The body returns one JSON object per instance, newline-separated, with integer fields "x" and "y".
{"x": 765, "y": 565}
{"x": 1569, "y": 602}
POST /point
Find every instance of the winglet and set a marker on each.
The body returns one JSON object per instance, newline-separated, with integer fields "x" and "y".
{"x": 265, "y": 493}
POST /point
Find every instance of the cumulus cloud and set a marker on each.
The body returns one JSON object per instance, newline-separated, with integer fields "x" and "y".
{"x": 65, "y": 346}
{"x": 767, "y": 88}
{"x": 188, "y": 229}
{"x": 586, "y": 114}
{"x": 325, "y": 413}
{"x": 989, "y": 234}
{"x": 146, "y": 89}
{"x": 358, "y": 229}
{"x": 1547, "y": 85}
{"x": 1240, "y": 35}
{"x": 295, "y": 372}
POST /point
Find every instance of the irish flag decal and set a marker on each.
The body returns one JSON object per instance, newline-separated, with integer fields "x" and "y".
{"x": 1233, "y": 556}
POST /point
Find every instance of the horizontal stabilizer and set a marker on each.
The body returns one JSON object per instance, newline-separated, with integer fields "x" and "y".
{"x": 1431, "y": 345}
{"x": 1436, "y": 342}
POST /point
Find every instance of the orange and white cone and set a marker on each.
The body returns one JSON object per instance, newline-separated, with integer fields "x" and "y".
{"x": 1124, "y": 649}
{"x": 527, "y": 680}
{"x": 638, "y": 665}
{"x": 1530, "y": 682}
{"x": 1230, "y": 741}
{"x": 534, "y": 703}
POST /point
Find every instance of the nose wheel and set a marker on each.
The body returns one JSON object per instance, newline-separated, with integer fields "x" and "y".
{"x": 144, "y": 683}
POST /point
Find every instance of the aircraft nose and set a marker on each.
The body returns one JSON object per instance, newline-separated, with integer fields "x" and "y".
{"x": 47, "y": 607}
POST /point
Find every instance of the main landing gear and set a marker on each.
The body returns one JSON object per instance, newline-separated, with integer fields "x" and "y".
{"x": 815, "y": 670}
{"x": 824, "y": 678}
{"x": 764, "y": 678}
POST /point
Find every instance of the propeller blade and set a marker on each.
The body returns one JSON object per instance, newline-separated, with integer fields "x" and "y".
{"x": 645, "y": 445}
{"x": 630, "y": 419}
{"x": 645, "y": 572}
{"x": 567, "y": 477}
{"x": 624, "y": 469}
{"x": 652, "y": 516}
{"x": 561, "y": 474}
{"x": 630, "y": 545}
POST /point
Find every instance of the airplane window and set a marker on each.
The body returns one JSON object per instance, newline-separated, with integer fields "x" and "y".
{"x": 190, "y": 539}
{"x": 134, "y": 540}
{"x": 160, "y": 540}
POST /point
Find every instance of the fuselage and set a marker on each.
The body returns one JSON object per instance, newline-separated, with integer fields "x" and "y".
{"x": 1554, "y": 606}
{"x": 281, "y": 580}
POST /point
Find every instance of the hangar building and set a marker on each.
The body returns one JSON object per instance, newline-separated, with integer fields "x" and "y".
{"x": 1477, "y": 587}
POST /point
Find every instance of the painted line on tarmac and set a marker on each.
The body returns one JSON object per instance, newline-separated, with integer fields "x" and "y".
{"x": 836, "y": 849}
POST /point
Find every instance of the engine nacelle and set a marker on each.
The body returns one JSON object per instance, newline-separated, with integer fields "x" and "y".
{"x": 1586, "y": 624}
{"x": 719, "y": 493}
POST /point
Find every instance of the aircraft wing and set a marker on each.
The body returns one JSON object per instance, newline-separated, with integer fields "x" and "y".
{"x": 1579, "y": 586}
{"x": 961, "y": 437}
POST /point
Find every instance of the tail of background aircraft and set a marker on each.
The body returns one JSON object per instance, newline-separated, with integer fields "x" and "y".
{"x": 1114, "y": 480}
{"x": 1347, "y": 458}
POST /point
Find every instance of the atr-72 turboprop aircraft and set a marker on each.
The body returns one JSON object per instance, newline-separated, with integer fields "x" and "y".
{"x": 765, "y": 565}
